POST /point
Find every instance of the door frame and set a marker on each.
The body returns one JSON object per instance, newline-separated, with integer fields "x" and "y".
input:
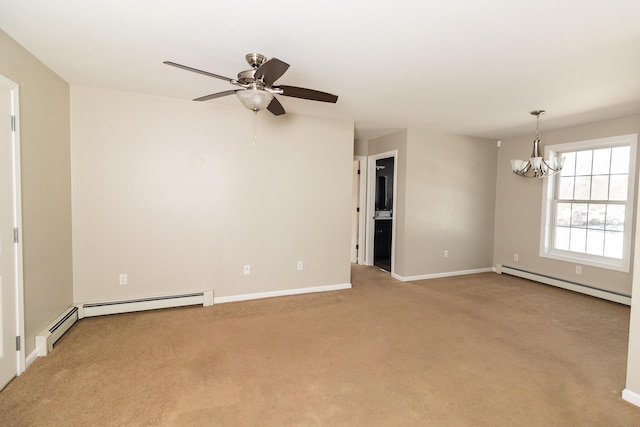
{"x": 14, "y": 89}
{"x": 371, "y": 206}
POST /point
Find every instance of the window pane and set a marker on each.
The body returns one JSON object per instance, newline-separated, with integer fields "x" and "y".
{"x": 597, "y": 214}
{"x": 563, "y": 214}
{"x": 578, "y": 240}
{"x": 613, "y": 244}
{"x": 578, "y": 214}
{"x": 583, "y": 162}
{"x": 569, "y": 167}
{"x": 600, "y": 187}
{"x": 601, "y": 161}
{"x": 562, "y": 235}
{"x": 620, "y": 159}
{"x": 595, "y": 242}
{"x": 583, "y": 188}
{"x": 615, "y": 217}
{"x": 565, "y": 192}
{"x": 619, "y": 187}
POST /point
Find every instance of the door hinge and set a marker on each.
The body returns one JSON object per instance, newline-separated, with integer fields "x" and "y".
{"x": 358, "y": 169}
{"x": 13, "y": 123}
{"x": 357, "y": 209}
{"x": 18, "y": 343}
{"x": 16, "y": 239}
{"x": 357, "y": 247}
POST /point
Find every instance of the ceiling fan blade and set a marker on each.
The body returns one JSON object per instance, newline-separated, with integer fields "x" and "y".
{"x": 275, "y": 107}
{"x": 217, "y": 95}
{"x": 195, "y": 70}
{"x": 313, "y": 95}
{"x": 271, "y": 71}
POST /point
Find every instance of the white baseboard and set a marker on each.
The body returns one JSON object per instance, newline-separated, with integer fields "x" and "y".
{"x": 31, "y": 358}
{"x": 439, "y": 275}
{"x": 631, "y": 397}
{"x": 564, "y": 284}
{"x": 53, "y": 332}
{"x": 286, "y": 292}
{"x": 204, "y": 298}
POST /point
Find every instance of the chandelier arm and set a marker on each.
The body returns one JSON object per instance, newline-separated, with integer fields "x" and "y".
{"x": 555, "y": 171}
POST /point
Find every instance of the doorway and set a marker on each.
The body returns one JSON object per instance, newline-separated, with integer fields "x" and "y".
{"x": 383, "y": 217}
{"x": 381, "y": 210}
{"x": 11, "y": 350}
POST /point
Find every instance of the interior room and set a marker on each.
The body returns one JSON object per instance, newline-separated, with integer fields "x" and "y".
{"x": 332, "y": 196}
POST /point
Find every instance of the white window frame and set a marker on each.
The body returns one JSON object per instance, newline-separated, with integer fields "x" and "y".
{"x": 546, "y": 230}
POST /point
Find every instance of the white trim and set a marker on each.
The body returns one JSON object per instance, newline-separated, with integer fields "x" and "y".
{"x": 559, "y": 283}
{"x": 631, "y": 397}
{"x": 150, "y": 303}
{"x": 31, "y": 357}
{"x": 285, "y": 292}
{"x": 439, "y": 275}
{"x": 371, "y": 206}
{"x": 57, "y": 328}
{"x": 14, "y": 88}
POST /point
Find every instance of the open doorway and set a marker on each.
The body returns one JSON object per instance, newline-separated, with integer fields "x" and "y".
{"x": 383, "y": 218}
{"x": 381, "y": 210}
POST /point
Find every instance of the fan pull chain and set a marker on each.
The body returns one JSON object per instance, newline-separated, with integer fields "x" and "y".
{"x": 255, "y": 128}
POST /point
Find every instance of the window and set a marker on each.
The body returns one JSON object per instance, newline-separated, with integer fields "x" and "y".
{"x": 588, "y": 206}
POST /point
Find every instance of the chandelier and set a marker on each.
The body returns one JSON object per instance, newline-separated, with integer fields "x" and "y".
{"x": 536, "y": 166}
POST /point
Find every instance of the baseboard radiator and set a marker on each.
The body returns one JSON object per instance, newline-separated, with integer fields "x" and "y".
{"x": 565, "y": 284}
{"x": 53, "y": 332}
{"x": 126, "y": 306}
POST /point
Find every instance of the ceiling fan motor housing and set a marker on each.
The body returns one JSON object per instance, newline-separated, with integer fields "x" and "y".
{"x": 247, "y": 77}
{"x": 255, "y": 59}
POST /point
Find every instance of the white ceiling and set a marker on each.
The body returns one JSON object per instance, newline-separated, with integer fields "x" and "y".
{"x": 461, "y": 66}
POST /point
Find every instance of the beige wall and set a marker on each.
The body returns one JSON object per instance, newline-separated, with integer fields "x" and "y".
{"x": 361, "y": 147}
{"x": 174, "y": 194}
{"x": 519, "y": 204}
{"x": 450, "y": 199}
{"x": 46, "y": 187}
{"x": 445, "y": 201}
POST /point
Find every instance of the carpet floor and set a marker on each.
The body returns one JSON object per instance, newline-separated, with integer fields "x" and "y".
{"x": 477, "y": 350}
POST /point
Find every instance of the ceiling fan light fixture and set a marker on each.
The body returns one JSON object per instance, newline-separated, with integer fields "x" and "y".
{"x": 255, "y": 99}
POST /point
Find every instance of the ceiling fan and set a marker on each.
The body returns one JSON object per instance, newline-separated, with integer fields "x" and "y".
{"x": 257, "y": 88}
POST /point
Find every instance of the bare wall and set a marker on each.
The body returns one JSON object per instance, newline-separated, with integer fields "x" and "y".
{"x": 46, "y": 187}
{"x": 173, "y": 194}
{"x": 450, "y": 199}
{"x": 519, "y": 204}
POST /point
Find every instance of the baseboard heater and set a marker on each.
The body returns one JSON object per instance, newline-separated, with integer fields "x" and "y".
{"x": 53, "y": 332}
{"x": 565, "y": 284}
{"x": 115, "y": 307}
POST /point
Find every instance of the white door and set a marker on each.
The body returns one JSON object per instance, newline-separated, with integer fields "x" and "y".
{"x": 355, "y": 210}
{"x": 8, "y": 273}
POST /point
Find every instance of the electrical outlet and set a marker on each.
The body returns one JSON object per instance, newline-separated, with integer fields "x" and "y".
{"x": 247, "y": 270}
{"x": 578, "y": 269}
{"x": 300, "y": 265}
{"x": 515, "y": 257}
{"x": 446, "y": 254}
{"x": 123, "y": 279}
